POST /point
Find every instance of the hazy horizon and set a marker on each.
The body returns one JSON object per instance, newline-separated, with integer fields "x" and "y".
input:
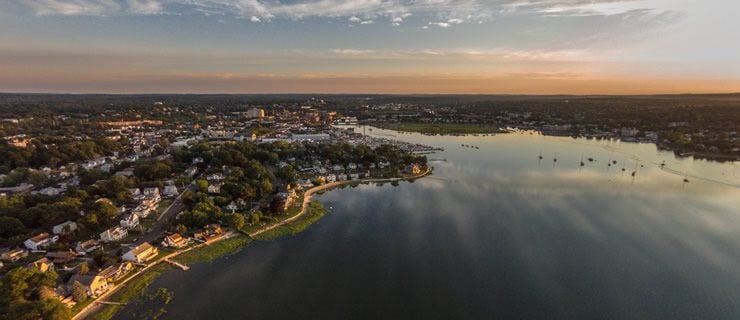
{"x": 541, "y": 47}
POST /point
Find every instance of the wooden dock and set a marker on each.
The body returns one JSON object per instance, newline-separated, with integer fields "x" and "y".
{"x": 177, "y": 264}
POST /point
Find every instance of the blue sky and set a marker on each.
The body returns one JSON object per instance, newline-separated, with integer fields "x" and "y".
{"x": 396, "y": 46}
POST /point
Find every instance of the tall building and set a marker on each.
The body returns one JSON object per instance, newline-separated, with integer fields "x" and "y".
{"x": 256, "y": 113}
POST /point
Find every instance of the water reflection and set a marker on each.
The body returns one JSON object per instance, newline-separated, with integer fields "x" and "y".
{"x": 498, "y": 234}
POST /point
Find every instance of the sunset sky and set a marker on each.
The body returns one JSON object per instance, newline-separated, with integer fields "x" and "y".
{"x": 370, "y": 46}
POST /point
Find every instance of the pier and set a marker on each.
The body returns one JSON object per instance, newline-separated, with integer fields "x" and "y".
{"x": 177, "y": 264}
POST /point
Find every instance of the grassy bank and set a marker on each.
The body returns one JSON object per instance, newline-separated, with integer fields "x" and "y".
{"x": 214, "y": 250}
{"x": 132, "y": 290}
{"x": 314, "y": 212}
{"x": 441, "y": 128}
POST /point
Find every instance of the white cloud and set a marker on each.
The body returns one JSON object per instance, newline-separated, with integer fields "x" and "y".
{"x": 72, "y": 7}
{"x": 255, "y": 19}
{"x": 445, "y": 12}
{"x": 145, "y": 7}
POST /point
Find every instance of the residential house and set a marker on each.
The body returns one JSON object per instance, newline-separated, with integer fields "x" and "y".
{"x": 61, "y": 257}
{"x": 115, "y": 272}
{"x": 190, "y": 172}
{"x": 215, "y": 177}
{"x": 113, "y": 234}
{"x": 14, "y": 255}
{"x": 174, "y": 240}
{"x": 214, "y": 188}
{"x": 141, "y": 253}
{"x": 331, "y": 178}
{"x": 135, "y": 192}
{"x": 94, "y": 284}
{"x": 151, "y": 193}
{"x": 143, "y": 210}
{"x": 412, "y": 169}
{"x": 85, "y": 247}
{"x": 43, "y": 265}
{"x": 130, "y": 221}
{"x": 40, "y": 241}
{"x": 281, "y": 202}
{"x": 210, "y": 232}
{"x": 64, "y": 228}
{"x": 170, "y": 191}
{"x": 232, "y": 207}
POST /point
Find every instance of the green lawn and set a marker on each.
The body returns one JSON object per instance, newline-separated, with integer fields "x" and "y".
{"x": 314, "y": 212}
{"x": 214, "y": 250}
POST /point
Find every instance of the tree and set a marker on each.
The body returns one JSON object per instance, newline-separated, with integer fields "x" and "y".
{"x": 254, "y": 217}
{"x": 84, "y": 268}
{"x": 202, "y": 185}
{"x": 78, "y": 292}
{"x": 181, "y": 229}
{"x": 53, "y": 309}
{"x": 236, "y": 221}
{"x": 10, "y": 226}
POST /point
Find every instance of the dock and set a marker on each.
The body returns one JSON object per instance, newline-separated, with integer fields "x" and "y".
{"x": 177, "y": 264}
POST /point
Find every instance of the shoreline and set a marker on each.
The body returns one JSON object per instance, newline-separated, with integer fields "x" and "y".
{"x": 94, "y": 306}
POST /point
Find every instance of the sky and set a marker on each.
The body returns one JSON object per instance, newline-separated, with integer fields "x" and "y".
{"x": 370, "y": 46}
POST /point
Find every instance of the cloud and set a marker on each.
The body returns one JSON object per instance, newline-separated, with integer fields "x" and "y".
{"x": 72, "y": 7}
{"x": 255, "y": 19}
{"x": 442, "y": 13}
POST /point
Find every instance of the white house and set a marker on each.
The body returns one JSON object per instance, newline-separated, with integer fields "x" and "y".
{"x": 151, "y": 192}
{"x": 40, "y": 241}
{"x": 141, "y": 253}
{"x": 130, "y": 221}
{"x": 113, "y": 234}
{"x": 215, "y": 177}
{"x": 64, "y": 228}
{"x": 170, "y": 191}
{"x": 232, "y": 207}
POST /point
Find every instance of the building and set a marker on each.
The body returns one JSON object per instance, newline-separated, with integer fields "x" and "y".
{"x": 43, "y": 265}
{"x": 311, "y": 137}
{"x": 113, "y": 234}
{"x": 190, "y": 172}
{"x": 130, "y": 221}
{"x": 174, "y": 240}
{"x": 95, "y": 285}
{"x": 61, "y": 257}
{"x": 85, "y": 247}
{"x": 141, "y": 253}
{"x": 170, "y": 191}
{"x": 116, "y": 271}
{"x": 214, "y": 188}
{"x": 14, "y": 255}
{"x": 256, "y": 113}
{"x": 210, "y": 232}
{"x": 40, "y": 241}
{"x": 281, "y": 202}
{"x": 64, "y": 228}
{"x": 151, "y": 193}
{"x": 232, "y": 207}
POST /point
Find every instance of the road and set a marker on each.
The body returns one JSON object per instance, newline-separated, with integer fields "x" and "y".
{"x": 159, "y": 226}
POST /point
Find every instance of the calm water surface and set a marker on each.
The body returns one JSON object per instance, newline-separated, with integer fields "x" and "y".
{"x": 497, "y": 233}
